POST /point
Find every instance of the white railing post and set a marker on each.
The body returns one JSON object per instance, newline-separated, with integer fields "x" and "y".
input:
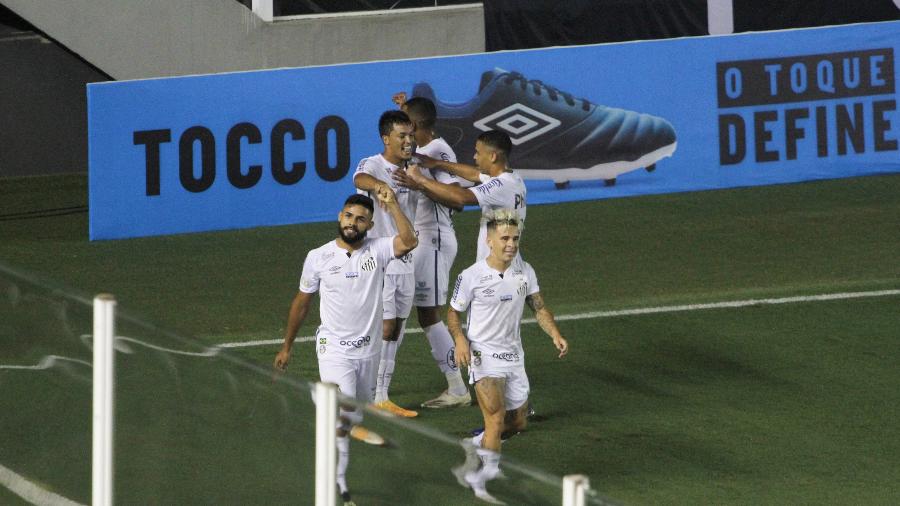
{"x": 326, "y": 449}
{"x": 263, "y": 9}
{"x": 104, "y": 362}
{"x": 720, "y": 17}
{"x": 575, "y": 487}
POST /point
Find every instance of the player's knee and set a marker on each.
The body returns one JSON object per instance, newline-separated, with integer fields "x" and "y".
{"x": 428, "y": 316}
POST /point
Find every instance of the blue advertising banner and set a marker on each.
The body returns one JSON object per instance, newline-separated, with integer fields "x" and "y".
{"x": 275, "y": 147}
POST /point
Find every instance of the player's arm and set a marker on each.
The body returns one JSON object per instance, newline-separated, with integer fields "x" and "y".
{"x": 405, "y": 240}
{"x": 368, "y": 182}
{"x": 450, "y": 195}
{"x": 462, "y": 352}
{"x": 548, "y": 324}
{"x": 296, "y": 316}
{"x": 468, "y": 172}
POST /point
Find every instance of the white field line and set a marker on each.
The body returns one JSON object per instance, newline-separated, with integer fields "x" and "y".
{"x": 640, "y": 311}
{"x": 31, "y": 492}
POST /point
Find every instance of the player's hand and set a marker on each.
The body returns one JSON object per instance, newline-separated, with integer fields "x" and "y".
{"x": 399, "y": 98}
{"x": 463, "y": 355}
{"x": 282, "y": 359}
{"x": 427, "y": 161}
{"x": 385, "y": 195}
{"x": 562, "y": 345}
{"x": 410, "y": 178}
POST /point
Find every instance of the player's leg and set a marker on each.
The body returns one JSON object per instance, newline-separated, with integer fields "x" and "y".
{"x": 389, "y": 324}
{"x": 516, "y": 399}
{"x": 401, "y": 286}
{"x": 490, "y": 392}
{"x": 491, "y": 400}
{"x": 342, "y": 372}
{"x": 432, "y": 268}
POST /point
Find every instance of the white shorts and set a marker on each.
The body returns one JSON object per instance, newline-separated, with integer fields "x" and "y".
{"x": 398, "y": 295}
{"x": 433, "y": 272}
{"x": 517, "y": 387}
{"x": 355, "y": 378}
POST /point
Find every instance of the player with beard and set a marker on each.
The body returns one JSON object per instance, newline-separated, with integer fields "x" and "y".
{"x": 348, "y": 274}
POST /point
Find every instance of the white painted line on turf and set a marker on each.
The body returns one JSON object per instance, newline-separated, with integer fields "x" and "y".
{"x": 639, "y": 311}
{"x": 31, "y": 492}
{"x": 45, "y": 363}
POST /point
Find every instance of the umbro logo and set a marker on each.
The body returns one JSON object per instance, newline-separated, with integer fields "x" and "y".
{"x": 521, "y": 122}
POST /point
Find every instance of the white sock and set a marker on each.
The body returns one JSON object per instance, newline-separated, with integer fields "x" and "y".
{"x": 442, "y": 350}
{"x": 491, "y": 463}
{"x": 343, "y": 460}
{"x": 385, "y": 369}
{"x": 387, "y": 365}
{"x": 477, "y": 440}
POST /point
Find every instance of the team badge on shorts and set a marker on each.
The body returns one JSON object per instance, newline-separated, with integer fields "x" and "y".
{"x": 321, "y": 350}
{"x": 476, "y": 357}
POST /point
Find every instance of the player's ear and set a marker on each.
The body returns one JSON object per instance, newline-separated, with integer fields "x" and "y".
{"x": 385, "y": 139}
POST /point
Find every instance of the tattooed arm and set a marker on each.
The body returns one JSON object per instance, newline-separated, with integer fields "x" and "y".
{"x": 545, "y": 319}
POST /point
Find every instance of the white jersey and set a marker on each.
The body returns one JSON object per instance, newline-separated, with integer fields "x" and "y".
{"x": 494, "y": 302}
{"x": 506, "y": 191}
{"x": 349, "y": 296}
{"x": 379, "y": 168}
{"x": 434, "y": 223}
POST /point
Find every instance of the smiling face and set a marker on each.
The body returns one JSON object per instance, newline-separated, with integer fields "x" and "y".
{"x": 354, "y": 221}
{"x": 398, "y": 144}
{"x": 503, "y": 241}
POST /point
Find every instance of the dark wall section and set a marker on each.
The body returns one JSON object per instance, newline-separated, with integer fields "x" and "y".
{"x": 518, "y": 24}
{"x": 752, "y": 15}
{"x": 521, "y": 24}
{"x": 43, "y": 109}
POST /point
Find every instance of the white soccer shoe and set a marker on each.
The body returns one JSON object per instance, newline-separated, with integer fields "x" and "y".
{"x": 471, "y": 464}
{"x": 448, "y": 400}
{"x": 477, "y": 481}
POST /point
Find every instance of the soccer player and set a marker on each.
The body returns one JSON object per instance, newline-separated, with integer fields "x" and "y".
{"x": 500, "y": 187}
{"x": 372, "y": 175}
{"x": 436, "y": 251}
{"x": 348, "y": 274}
{"x": 494, "y": 291}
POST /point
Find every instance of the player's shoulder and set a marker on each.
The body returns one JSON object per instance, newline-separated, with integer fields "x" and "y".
{"x": 520, "y": 266}
{"x": 371, "y": 163}
{"x": 439, "y": 149}
{"x": 475, "y": 271}
{"x": 323, "y": 253}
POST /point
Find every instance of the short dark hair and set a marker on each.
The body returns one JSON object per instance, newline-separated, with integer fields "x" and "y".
{"x": 497, "y": 140}
{"x": 424, "y": 109}
{"x": 390, "y": 118}
{"x": 358, "y": 199}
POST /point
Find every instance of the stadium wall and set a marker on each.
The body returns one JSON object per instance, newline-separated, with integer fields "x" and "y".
{"x": 135, "y": 40}
{"x": 279, "y": 147}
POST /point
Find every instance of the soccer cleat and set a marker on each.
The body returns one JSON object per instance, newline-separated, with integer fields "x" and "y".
{"x": 394, "y": 409}
{"x": 360, "y": 433}
{"x": 448, "y": 400}
{"x": 555, "y": 135}
{"x": 345, "y": 497}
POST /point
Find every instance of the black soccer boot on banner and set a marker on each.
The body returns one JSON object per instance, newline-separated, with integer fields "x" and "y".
{"x": 555, "y": 135}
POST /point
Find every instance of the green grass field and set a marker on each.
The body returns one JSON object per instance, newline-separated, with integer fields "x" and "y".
{"x": 776, "y": 404}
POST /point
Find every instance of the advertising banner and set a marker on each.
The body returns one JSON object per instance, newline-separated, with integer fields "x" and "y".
{"x": 276, "y": 147}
